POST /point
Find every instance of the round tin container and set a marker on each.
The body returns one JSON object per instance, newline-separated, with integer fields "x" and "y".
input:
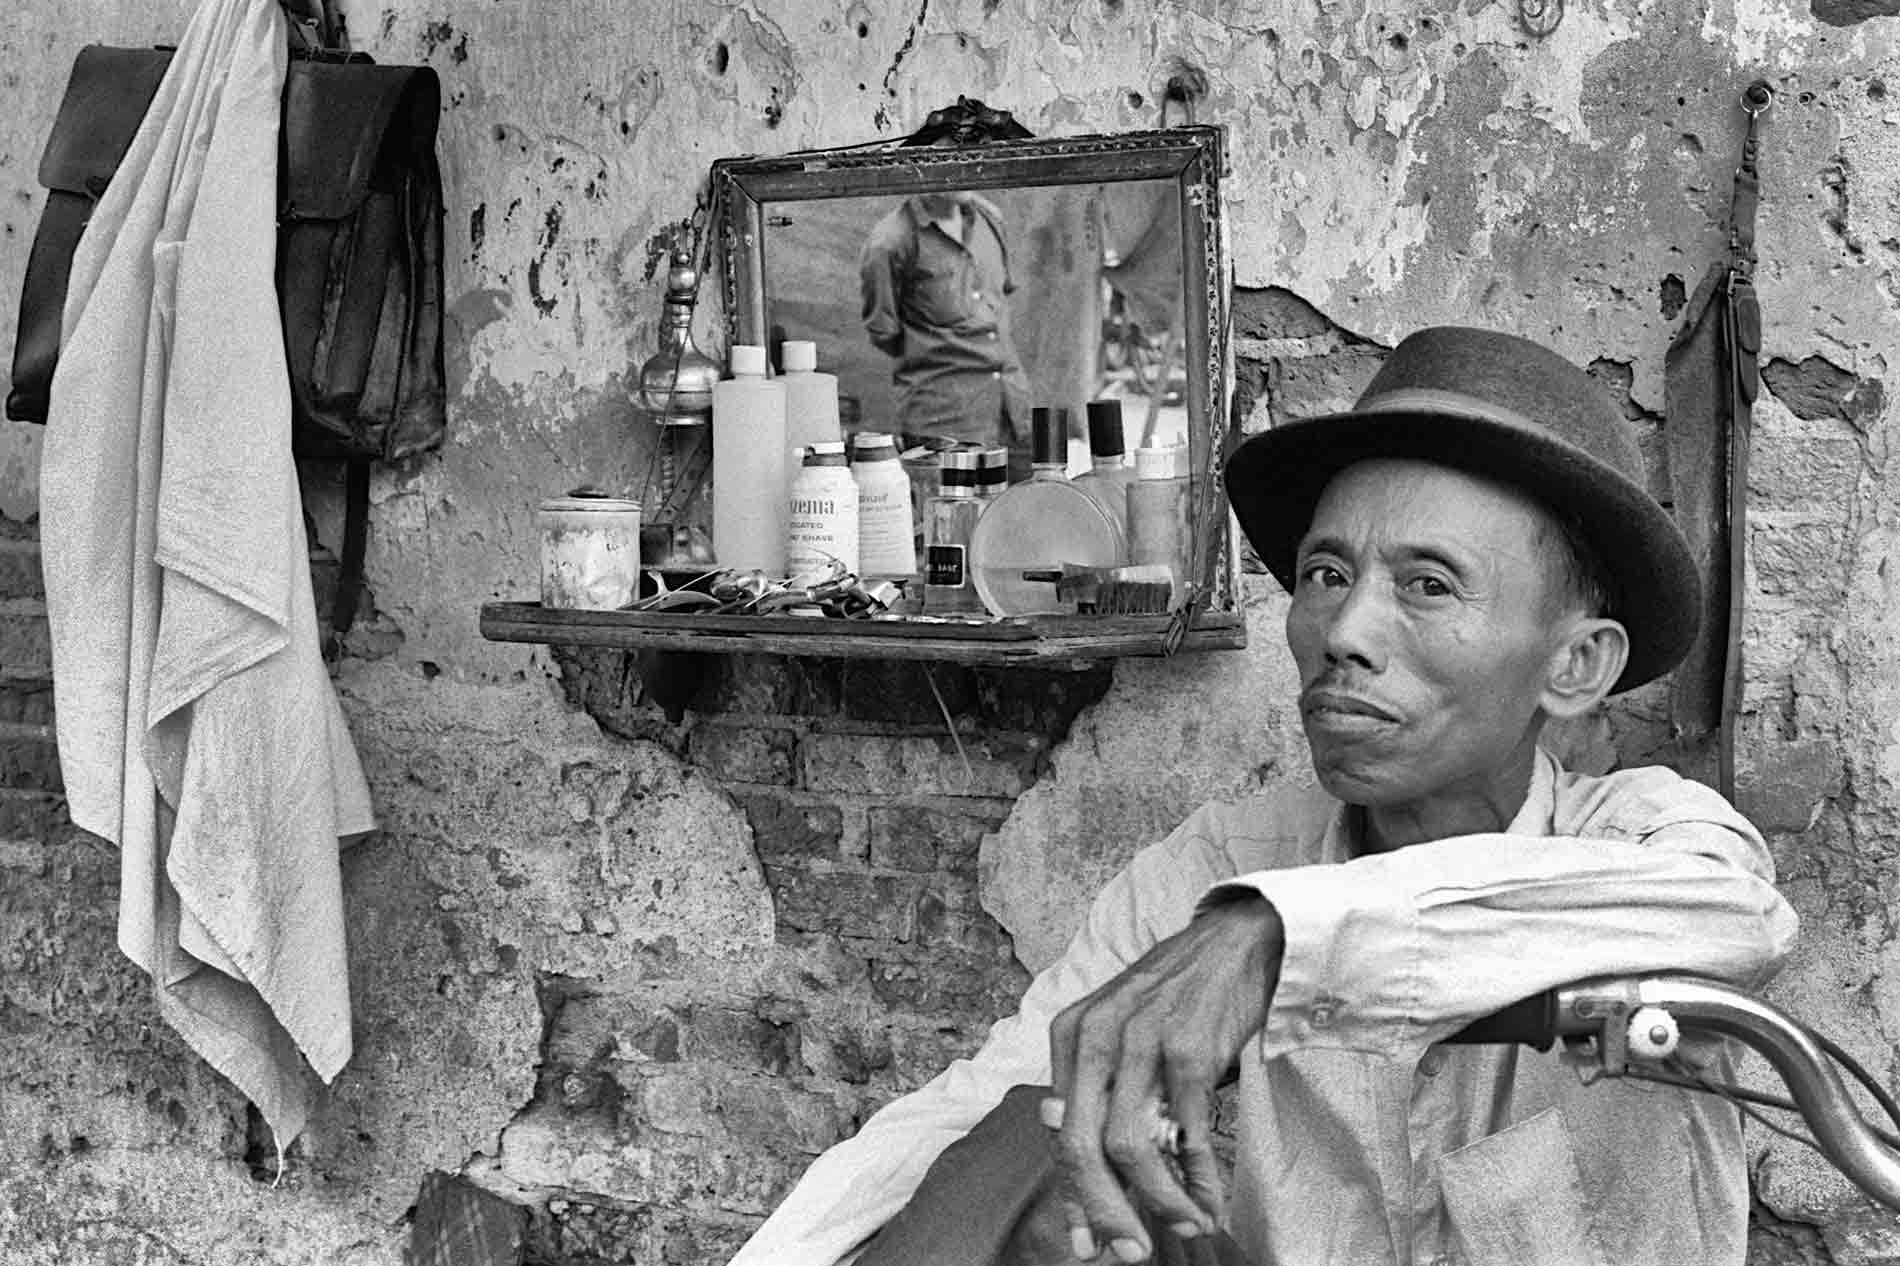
{"x": 590, "y": 551}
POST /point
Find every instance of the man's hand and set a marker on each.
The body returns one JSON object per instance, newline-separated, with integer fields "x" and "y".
{"x": 1041, "y": 1234}
{"x": 1159, "y": 1037}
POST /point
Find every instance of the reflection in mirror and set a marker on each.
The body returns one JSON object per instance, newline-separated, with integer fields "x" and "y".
{"x": 1062, "y": 294}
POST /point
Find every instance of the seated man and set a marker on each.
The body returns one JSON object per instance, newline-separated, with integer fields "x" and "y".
{"x": 1471, "y": 553}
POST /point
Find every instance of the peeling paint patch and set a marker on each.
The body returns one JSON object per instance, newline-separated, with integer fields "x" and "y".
{"x": 550, "y": 233}
{"x": 1817, "y": 388}
{"x": 1671, "y": 296}
{"x": 1853, "y": 12}
{"x": 639, "y": 100}
{"x": 434, "y": 36}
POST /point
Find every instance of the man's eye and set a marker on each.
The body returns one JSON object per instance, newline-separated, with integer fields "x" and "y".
{"x": 1429, "y": 587}
{"x": 1325, "y": 575}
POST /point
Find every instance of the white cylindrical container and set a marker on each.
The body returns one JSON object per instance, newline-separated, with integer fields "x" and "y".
{"x": 590, "y": 551}
{"x": 749, "y": 466}
{"x": 1158, "y": 528}
{"x": 887, "y": 537}
{"x": 823, "y": 516}
{"x": 811, "y": 397}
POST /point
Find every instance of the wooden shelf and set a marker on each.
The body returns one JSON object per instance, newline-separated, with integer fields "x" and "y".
{"x": 1040, "y": 641}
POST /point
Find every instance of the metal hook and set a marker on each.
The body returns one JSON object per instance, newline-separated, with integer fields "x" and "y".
{"x": 1757, "y": 97}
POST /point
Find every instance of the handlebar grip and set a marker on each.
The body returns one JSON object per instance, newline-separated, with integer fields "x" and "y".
{"x": 1529, "y": 1022}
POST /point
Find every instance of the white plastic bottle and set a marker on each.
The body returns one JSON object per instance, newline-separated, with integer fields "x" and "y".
{"x": 749, "y": 466}
{"x": 823, "y": 515}
{"x": 811, "y": 397}
{"x": 887, "y": 539}
{"x": 1158, "y": 529}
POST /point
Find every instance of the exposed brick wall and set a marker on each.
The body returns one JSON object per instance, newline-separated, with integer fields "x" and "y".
{"x": 698, "y": 1102}
{"x": 31, "y": 799}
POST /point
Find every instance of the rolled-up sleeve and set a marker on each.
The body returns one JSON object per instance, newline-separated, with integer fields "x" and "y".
{"x": 1388, "y": 953}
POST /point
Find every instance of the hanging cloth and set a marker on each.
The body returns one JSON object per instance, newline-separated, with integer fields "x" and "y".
{"x": 1712, "y": 376}
{"x": 198, "y": 729}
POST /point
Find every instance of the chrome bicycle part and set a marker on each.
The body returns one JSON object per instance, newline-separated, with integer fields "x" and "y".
{"x": 1607, "y": 1009}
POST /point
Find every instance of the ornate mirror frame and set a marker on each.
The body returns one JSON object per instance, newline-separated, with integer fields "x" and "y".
{"x": 744, "y": 190}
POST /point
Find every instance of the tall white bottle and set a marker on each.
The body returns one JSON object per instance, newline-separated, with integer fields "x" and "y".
{"x": 811, "y": 397}
{"x": 749, "y": 466}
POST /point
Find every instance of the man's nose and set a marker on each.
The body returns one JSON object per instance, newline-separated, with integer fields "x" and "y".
{"x": 1355, "y": 628}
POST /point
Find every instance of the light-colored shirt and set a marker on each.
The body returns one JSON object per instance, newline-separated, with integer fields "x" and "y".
{"x": 1359, "y": 1140}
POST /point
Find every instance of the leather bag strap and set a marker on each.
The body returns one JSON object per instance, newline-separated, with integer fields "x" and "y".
{"x": 1742, "y": 336}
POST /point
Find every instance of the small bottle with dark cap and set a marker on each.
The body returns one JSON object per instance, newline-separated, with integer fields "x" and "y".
{"x": 949, "y": 519}
{"x": 1109, "y": 474}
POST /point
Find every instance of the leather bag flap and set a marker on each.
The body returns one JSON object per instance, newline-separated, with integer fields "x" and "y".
{"x": 106, "y": 98}
{"x": 337, "y": 117}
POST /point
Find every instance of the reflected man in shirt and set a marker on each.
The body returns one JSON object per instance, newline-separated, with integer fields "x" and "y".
{"x": 1471, "y": 553}
{"x": 935, "y": 281}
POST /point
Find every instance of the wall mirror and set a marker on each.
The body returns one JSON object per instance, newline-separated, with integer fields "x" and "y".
{"x": 1119, "y": 291}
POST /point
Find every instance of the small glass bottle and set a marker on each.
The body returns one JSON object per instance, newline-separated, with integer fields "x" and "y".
{"x": 1109, "y": 474}
{"x": 949, "y": 520}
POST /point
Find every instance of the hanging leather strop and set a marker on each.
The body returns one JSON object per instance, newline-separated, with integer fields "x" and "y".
{"x": 1713, "y": 375}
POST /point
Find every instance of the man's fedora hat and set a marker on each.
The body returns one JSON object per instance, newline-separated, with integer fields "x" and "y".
{"x": 1508, "y": 409}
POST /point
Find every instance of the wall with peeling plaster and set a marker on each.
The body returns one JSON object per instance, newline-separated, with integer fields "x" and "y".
{"x": 629, "y": 973}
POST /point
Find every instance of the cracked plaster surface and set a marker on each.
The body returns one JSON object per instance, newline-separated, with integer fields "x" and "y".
{"x": 1390, "y": 169}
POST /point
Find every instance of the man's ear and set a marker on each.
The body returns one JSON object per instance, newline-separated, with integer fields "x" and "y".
{"x": 1584, "y": 666}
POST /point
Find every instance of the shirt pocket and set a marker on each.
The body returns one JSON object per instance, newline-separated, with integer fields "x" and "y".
{"x": 936, "y": 293}
{"x": 1516, "y": 1198}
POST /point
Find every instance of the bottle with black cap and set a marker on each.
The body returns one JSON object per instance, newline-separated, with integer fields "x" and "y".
{"x": 1040, "y": 527}
{"x": 1109, "y": 474}
{"x": 950, "y": 518}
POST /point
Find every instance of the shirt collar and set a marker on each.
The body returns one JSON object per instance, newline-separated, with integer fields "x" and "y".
{"x": 1535, "y": 817}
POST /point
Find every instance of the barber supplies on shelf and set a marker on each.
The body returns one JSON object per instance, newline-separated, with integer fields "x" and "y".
{"x": 1158, "y": 530}
{"x": 823, "y": 515}
{"x": 1038, "y": 528}
{"x": 749, "y": 466}
{"x": 950, "y": 518}
{"x": 811, "y": 396}
{"x": 1109, "y": 474}
{"x": 590, "y": 551}
{"x": 887, "y": 544}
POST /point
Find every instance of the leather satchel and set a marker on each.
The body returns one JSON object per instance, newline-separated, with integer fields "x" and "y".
{"x": 359, "y": 254}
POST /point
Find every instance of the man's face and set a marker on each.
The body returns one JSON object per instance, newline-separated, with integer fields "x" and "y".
{"x": 1423, "y": 632}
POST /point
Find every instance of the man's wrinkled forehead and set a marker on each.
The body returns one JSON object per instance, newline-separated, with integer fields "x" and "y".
{"x": 1429, "y": 505}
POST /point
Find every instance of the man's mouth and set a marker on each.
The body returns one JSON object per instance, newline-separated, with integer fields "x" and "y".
{"x": 1337, "y": 706}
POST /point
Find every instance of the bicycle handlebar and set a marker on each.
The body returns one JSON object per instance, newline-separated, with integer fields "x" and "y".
{"x": 1612, "y": 1009}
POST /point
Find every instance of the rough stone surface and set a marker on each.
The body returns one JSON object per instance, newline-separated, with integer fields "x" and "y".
{"x": 641, "y": 934}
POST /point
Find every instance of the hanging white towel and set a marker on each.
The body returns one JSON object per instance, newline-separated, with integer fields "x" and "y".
{"x": 197, "y": 726}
